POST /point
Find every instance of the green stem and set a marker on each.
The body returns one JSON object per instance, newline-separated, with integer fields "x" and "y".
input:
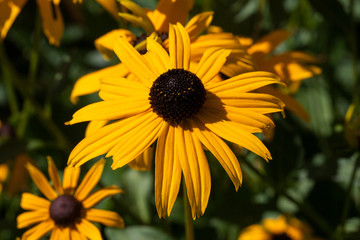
{"x": 304, "y": 208}
{"x": 189, "y": 227}
{"x": 13, "y": 103}
{"x": 346, "y": 206}
{"x": 33, "y": 67}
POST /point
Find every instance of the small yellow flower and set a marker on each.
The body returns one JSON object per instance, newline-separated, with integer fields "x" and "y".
{"x": 280, "y": 228}
{"x": 68, "y": 211}
{"x": 179, "y": 105}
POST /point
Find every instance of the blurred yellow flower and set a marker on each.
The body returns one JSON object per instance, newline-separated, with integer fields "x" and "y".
{"x": 280, "y": 228}
{"x": 181, "y": 107}
{"x": 68, "y": 211}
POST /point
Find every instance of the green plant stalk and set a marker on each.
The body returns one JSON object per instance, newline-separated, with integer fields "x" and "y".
{"x": 33, "y": 67}
{"x": 13, "y": 102}
{"x": 189, "y": 226}
{"x": 305, "y": 208}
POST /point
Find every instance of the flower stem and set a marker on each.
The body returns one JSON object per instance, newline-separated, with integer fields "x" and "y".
{"x": 189, "y": 227}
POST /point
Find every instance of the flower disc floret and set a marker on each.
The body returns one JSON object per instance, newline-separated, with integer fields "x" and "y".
{"x": 65, "y": 210}
{"x": 177, "y": 94}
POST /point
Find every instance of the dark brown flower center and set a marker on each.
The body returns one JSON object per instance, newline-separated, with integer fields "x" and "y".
{"x": 177, "y": 94}
{"x": 282, "y": 236}
{"x": 65, "y": 210}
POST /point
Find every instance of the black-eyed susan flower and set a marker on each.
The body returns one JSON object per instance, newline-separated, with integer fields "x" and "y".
{"x": 179, "y": 105}
{"x": 68, "y": 211}
{"x": 280, "y": 228}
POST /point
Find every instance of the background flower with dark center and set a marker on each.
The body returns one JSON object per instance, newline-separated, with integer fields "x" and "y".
{"x": 182, "y": 109}
{"x": 68, "y": 210}
{"x": 280, "y": 228}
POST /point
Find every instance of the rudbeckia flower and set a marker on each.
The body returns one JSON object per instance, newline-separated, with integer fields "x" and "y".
{"x": 68, "y": 211}
{"x": 179, "y": 105}
{"x": 282, "y": 228}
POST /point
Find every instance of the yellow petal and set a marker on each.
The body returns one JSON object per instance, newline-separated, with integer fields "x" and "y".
{"x": 220, "y": 150}
{"x": 99, "y": 195}
{"x": 167, "y": 172}
{"x": 107, "y": 218}
{"x": 268, "y": 43}
{"x": 136, "y": 141}
{"x": 157, "y": 56}
{"x": 89, "y": 230}
{"x": 105, "y": 43}
{"x": 255, "y": 232}
{"x": 295, "y": 71}
{"x": 144, "y": 161}
{"x": 103, "y": 140}
{"x": 90, "y": 83}
{"x": 245, "y": 82}
{"x": 195, "y": 168}
{"x": 75, "y": 234}
{"x": 39, "y": 230}
{"x": 33, "y": 202}
{"x": 9, "y": 10}
{"x": 198, "y": 23}
{"x": 90, "y": 180}
{"x": 41, "y": 182}
{"x": 179, "y": 47}
{"x": 113, "y": 88}
{"x": 110, "y": 6}
{"x": 111, "y": 109}
{"x": 61, "y": 233}
{"x": 93, "y": 126}
{"x": 54, "y": 175}
{"x": 132, "y": 59}
{"x": 19, "y": 174}
{"x": 29, "y": 218}
{"x": 170, "y": 12}
{"x": 52, "y": 21}
{"x": 211, "y": 63}
{"x": 70, "y": 179}
{"x": 237, "y": 134}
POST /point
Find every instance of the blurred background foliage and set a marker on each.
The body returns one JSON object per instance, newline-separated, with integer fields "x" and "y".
{"x": 314, "y": 174}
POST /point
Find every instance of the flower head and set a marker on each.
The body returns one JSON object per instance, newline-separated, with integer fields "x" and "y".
{"x": 68, "y": 210}
{"x": 280, "y": 228}
{"x": 179, "y": 105}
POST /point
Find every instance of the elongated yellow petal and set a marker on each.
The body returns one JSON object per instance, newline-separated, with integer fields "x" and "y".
{"x": 29, "y": 218}
{"x": 103, "y": 140}
{"x": 108, "y": 218}
{"x": 220, "y": 150}
{"x": 138, "y": 21}
{"x": 268, "y": 43}
{"x": 32, "y": 202}
{"x": 114, "y": 88}
{"x": 245, "y": 82}
{"x": 133, "y": 143}
{"x": 111, "y": 109}
{"x": 290, "y": 72}
{"x": 157, "y": 56}
{"x": 134, "y": 61}
{"x": 90, "y": 180}
{"x": 237, "y": 134}
{"x": 110, "y": 6}
{"x": 179, "y": 47}
{"x": 105, "y": 43}
{"x": 90, "y": 83}
{"x": 41, "y": 182}
{"x": 61, "y": 233}
{"x": 144, "y": 161}
{"x": 75, "y": 234}
{"x": 54, "y": 175}
{"x": 52, "y": 21}
{"x": 99, "y": 195}
{"x": 88, "y": 229}
{"x": 211, "y": 63}
{"x": 170, "y": 12}
{"x": 70, "y": 179}
{"x": 55, "y": 234}
{"x": 9, "y": 10}
{"x": 198, "y": 23}
{"x": 93, "y": 126}
{"x": 39, "y": 230}
{"x": 167, "y": 172}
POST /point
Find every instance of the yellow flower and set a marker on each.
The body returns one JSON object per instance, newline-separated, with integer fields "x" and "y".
{"x": 284, "y": 228}
{"x": 68, "y": 212}
{"x": 52, "y": 20}
{"x": 4, "y": 169}
{"x": 181, "y": 107}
